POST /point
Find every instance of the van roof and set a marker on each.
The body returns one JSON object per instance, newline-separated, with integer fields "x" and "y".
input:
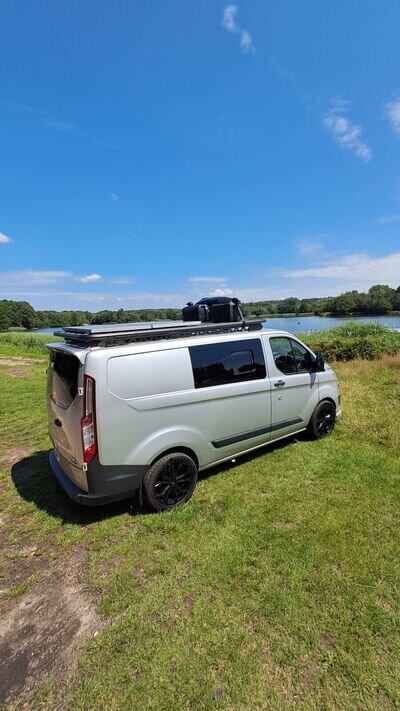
{"x": 125, "y": 333}
{"x": 80, "y": 348}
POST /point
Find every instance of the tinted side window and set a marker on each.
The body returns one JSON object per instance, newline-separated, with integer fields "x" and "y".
{"x": 222, "y": 363}
{"x": 301, "y": 356}
{"x": 289, "y": 355}
{"x": 283, "y": 355}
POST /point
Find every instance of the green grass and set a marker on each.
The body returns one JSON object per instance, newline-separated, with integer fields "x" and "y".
{"x": 276, "y": 587}
{"x": 26, "y": 345}
{"x": 17, "y": 590}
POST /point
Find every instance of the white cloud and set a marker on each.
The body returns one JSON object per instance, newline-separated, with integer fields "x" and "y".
{"x": 353, "y": 270}
{"x": 120, "y": 280}
{"x": 114, "y": 197}
{"x": 392, "y": 113}
{"x": 310, "y": 244}
{"x": 345, "y": 132}
{"x": 89, "y": 278}
{"x": 229, "y": 23}
{"x": 222, "y": 292}
{"x": 329, "y": 275}
{"x": 246, "y": 42}
{"x": 228, "y": 19}
{"x": 387, "y": 219}
{"x": 30, "y": 277}
{"x": 4, "y": 239}
{"x": 207, "y": 280}
{"x": 340, "y": 105}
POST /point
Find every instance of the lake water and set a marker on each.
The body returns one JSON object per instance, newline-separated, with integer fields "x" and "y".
{"x": 318, "y": 323}
{"x": 308, "y": 323}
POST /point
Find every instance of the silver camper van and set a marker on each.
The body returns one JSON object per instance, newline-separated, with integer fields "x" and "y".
{"x": 145, "y": 407}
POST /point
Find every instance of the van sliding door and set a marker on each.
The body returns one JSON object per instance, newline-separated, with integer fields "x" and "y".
{"x": 233, "y": 394}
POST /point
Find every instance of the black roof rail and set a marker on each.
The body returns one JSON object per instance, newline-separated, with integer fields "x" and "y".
{"x": 120, "y": 334}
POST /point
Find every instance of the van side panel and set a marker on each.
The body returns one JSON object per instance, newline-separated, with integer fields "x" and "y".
{"x": 136, "y": 428}
{"x": 328, "y": 387}
{"x": 151, "y": 373}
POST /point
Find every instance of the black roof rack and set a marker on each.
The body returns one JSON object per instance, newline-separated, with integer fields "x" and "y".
{"x": 118, "y": 334}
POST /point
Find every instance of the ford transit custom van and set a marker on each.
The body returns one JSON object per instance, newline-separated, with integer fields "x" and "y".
{"x": 145, "y": 407}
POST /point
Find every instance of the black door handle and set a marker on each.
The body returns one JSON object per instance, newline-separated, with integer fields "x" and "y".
{"x": 279, "y": 383}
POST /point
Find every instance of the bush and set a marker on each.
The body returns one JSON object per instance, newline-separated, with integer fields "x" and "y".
{"x": 354, "y": 340}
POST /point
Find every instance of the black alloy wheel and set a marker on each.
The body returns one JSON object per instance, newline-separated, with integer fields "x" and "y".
{"x": 323, "y": 420}
{"x": 170, "y": 481}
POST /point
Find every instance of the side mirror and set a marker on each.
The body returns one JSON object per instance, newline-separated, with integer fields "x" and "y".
{"x": 320, "y": 361}
{"x": 314, "y": 363}
{"x": 310, "y": 362}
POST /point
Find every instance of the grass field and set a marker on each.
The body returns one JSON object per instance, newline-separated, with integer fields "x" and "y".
{"x": 276, "y": 587}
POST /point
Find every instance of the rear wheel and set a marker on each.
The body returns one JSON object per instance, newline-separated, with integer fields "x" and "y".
{"x": 323, "y": 420}
{"x": 170, "y": 481}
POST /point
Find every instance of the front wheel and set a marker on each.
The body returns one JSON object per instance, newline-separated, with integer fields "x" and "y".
{"x": 169, "y": 481}
{"x": 323, "y": 420}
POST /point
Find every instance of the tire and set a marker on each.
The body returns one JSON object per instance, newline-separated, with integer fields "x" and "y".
{"x": 169, "y": 482}
{"x": 323, "y": 420}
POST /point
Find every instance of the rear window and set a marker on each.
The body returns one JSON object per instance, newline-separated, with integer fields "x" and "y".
{"x": 62, "y": 378}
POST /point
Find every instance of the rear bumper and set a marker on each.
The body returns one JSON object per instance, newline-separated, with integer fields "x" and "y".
{"x": 112, "y": 490}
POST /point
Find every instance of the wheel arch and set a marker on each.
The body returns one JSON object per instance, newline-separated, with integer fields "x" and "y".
{"x": 326, "y": 399}
{"x": 323, "y": 399}
{"x": 177, "y": 450}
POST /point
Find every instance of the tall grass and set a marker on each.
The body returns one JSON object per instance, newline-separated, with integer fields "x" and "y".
{"x": 346, "y": 342}
{"x": 24, "y": 344}
{"x": 354, "y": 340}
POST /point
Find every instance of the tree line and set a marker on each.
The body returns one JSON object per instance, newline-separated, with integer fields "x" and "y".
{"x": 380, "y": 299}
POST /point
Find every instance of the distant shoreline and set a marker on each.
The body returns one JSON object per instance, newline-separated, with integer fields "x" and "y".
{"x": 329, "y": 314}
{"x": 262, "y": 317}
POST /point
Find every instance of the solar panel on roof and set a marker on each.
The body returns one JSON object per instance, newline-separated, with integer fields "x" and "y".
{"x": 123, "y": 333}
{"x": 109, "y": 328}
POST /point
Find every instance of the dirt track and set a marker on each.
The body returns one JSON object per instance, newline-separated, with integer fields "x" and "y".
{"x": 42, "y": 622}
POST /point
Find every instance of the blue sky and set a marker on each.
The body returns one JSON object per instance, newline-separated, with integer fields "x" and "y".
{"x": 156, "y": 152}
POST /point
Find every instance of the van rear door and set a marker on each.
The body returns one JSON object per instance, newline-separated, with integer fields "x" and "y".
{"x": 64, "y": 405}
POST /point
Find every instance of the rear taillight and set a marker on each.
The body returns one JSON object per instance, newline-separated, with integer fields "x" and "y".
{"x": 88, "y": 421}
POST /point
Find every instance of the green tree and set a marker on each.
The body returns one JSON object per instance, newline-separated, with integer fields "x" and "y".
{"x": 345, "y": 303}
{"x": 381, "y": 297}
{"x": 306, "y": 307}
{"x": 23, "y": 314}
{"x": 5, "y": 316}
{"x": 289, "y": 306}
